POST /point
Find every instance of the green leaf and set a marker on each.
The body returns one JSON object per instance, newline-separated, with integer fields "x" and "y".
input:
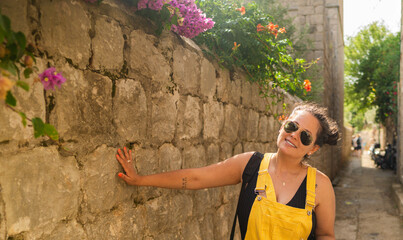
{"x": 27, "y": 72}
{"x": 5, "y": 23}
{"x": 51, "y": 132}
{"x": 9, "y": 66}
{"x": 21, "y": 40}
{"x": 23, "y": 85}
{"x": 39, "y": 127}
{"x": 24, "y": 118}
{"x": 10, "y": 99}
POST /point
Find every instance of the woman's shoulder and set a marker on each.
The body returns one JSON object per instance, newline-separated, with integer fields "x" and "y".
{"x": 324, "y": 187}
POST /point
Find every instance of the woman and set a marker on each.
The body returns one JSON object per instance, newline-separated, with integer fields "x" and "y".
{"x": 283, "y": 197}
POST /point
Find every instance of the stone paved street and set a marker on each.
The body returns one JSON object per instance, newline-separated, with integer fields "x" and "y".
{"x": 365, "y": 205}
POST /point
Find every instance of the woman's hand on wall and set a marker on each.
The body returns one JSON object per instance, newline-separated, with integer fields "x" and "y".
{"x": 125, "y": 159}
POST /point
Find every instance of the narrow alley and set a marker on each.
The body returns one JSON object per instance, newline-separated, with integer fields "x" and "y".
{"x": 365, "y": 205}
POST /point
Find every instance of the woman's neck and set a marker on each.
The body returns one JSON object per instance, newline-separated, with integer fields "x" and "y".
{"x": 286, "y": 164}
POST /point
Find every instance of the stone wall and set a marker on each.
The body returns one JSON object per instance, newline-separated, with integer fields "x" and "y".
{"x": 125, "y": 87}
{"x": 324, "y": 21}
{"x": 400, "y": 116}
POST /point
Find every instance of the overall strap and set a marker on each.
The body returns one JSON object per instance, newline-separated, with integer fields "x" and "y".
{"x": 247, "y": 175}
{"x": 260, "y": 185}
{"x": 310, "y": 190}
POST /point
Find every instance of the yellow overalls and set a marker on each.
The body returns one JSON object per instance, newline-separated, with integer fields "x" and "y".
{"x": 269, "y": 219}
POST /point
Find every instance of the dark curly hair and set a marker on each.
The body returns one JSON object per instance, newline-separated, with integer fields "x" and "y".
{"x": 329, "y": 130}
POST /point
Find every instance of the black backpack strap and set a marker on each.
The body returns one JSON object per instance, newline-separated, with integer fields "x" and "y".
{"x": 251, "y": 167}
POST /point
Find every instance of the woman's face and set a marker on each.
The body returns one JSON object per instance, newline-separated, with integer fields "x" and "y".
{"x": 290, "y": 143}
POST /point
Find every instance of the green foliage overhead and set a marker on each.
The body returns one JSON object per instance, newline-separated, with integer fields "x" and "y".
{"x": 235, "y": 43}
{"x": 372, "y": 74}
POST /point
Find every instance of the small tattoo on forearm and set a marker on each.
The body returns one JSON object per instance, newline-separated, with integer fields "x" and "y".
{"x": 184, "y": 182}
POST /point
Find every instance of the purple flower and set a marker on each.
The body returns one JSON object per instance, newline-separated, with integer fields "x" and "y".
{"x": 50, "y": 78}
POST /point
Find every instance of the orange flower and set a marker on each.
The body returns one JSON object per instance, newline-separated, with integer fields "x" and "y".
{"x": 242, "y": 10}
{"x": 235, "y": 46}
{"x": 282, "y": 118}
{"x": 260, "y": 27}
{"x": 307, "y": 85}
{"x": 282, "y": 30}
{"x": 271, "y": 26}
{"x": 5, "y": 86}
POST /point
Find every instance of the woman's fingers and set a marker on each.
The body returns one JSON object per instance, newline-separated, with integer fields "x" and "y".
{"x": 124, "y": 177}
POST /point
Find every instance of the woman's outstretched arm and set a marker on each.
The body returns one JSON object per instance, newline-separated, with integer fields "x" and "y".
{"x": 227, "y": 172}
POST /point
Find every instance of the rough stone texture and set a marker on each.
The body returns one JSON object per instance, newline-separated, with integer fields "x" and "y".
{"x": 101, "y": 187}
{"x": 163, "y": 118}
{"x": 53, "y": 183}
{"x": 213, "y": 119}
{"x": 169, "y": 158}
{"x": 82, "y": 101}
{"x": 19, "y": 19}
{"x": 146, "y": 60}
{"x": 186, "y": 70}
{"x": 400, "y": 116}
{"x": 208, "y": 83}
{"x": 66, "y": 33}
{"x": 130, "y": 110}
{"x": 108, "y": 41}
{"x": 32, "y": 103}
{"x": 231, "y": 123}
{"x": 173, "y": 107}
{"x": 189, "y": 119}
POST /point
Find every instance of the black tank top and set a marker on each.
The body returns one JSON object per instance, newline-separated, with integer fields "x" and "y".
{"x": 248, "y": 195}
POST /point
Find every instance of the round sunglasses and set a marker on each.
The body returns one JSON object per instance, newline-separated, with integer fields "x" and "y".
{"x": 291, "y": 126}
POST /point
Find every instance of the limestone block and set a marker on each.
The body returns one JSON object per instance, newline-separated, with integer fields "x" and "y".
{"x": 299, "y": 20}
{"x": 194, "y": 156}
{"x": 158, "y": 214}
{"x": 71, "y": 229}
{"x": 16, "y": 10}
{"x": 226, "y": 151}
{"x": 208, "y": 81}
{"x": 238, "y": 149}
{"x": 231, "y": 123}
{"x": 318, "y": 45}
{"x": 223, "y": 85}
{"x": 66, "y": 32}
{"x": 316, "y": 19}
{"x": 170, "y": 158}
{"x": 189, "y": 119}
{"x": 163, "y": 116}
{"x": 130, "y": 110}
{"x": 250, "y": 147}
{"x": 213, "y": 119}
{"x": 186, "y": 70}
{"x": 258, "y": 102}
{"x": 273, "y": 128}
{"x": 33, "y": 183}
{"x": 270, "y": 147}
{"x": 250, "y": 123}
{"x": 83, "y": 107}
{"x": 206, "y": 226}
{"x": 235, "y": 91}
{"x": 101, "y": 186}
{"x": 192, "y": 231}
{"x": 32, "y": 103}
{"x": 213, "y": 154}
{"x": 318, "y": 2}
{"x": 146, "y": 161}
{"x": 306, "y": 10}
{"x": 124, "y": 222}
{"x": 264, "y": 131}
{"x": 146, "y": 59}
{"x": 246, "y": 94}
{"x": 222, "y": 221}
{"x": 107, "y": 44}
{"x": 319, "y": 9}
{"x": 181, "y": 208}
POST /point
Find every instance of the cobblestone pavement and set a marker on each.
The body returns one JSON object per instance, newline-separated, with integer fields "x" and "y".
{"x": 365, "y": 208}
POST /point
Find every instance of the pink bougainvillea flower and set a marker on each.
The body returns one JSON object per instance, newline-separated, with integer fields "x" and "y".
{"x": 394, "y": 93}
{"x": 242, "y": 10}
{"x": 307, "y": 85}
{"x": 5, "y": 86}
{"x": 50, "y": 78}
